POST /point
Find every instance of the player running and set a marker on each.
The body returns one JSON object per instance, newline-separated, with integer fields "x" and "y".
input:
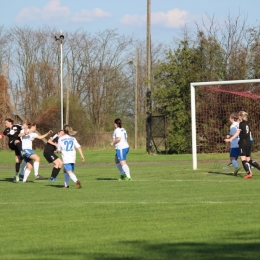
{"x": 12, "y": 131}
{"x": 66, "y": 145}
{"x": 122, "y": 149}
{"x": 33, "y": 160}
{"x": 51, "y": 157}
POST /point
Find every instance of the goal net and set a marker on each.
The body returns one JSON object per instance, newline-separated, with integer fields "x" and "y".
{"x": 211, "y": 105}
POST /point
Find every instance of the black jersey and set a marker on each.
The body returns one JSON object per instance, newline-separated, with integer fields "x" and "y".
{"x": 49, "y": 148}
{"x": 244, "y": 135}
{"x": 13, "y": 132}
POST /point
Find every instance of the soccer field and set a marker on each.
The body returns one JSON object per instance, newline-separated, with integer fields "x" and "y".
{"x": 167, "y": 211}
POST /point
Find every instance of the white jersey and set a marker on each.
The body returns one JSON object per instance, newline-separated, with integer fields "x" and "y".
{"x": 67, "y": 145}
{"x": 27, "y": 140}
{"x": 233, "y": 130}
{"x": 120, "y": 132}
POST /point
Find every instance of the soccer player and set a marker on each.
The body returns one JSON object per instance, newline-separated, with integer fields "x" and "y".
{"x": 234, "y": 147}
{"x": 66, "y": 145}
{"x": 33, "y": 160}
{"x": 243, "y": 132}
{"x": 51, "y": 157}
{"x": 12, "y": 131}
{"x": 122, "y": 149}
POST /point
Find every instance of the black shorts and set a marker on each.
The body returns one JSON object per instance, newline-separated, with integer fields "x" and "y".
{"x": 245, "y": 150}
{"x": 50, "y": 157}
{"x": 14, "y": 148}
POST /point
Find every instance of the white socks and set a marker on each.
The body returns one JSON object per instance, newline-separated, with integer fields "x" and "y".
{"x": 120, "y": 169}
{"x": 126, "y": 170}
{"x": 26, "y": 175}
{"x": 36, "y": 168}
{"x": 73, "y": 177}
{"x": 67, "y": 178}
{"x": 23, "y": 167}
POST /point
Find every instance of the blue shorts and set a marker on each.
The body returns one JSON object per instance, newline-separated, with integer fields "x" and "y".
{"x": 121, "y": 154}
{"x": 27, "y": 154}
{"x": 234, "y": 152}
{"x": 69, "y": 167}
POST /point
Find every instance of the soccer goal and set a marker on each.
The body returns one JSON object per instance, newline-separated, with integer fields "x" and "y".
{"x": 212, "y": 103}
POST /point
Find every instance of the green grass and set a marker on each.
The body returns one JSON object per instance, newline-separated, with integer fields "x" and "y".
{"x": 168, "y": 211}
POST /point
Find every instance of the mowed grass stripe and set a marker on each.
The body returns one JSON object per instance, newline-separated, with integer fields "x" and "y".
{"x": 164, "y": 213}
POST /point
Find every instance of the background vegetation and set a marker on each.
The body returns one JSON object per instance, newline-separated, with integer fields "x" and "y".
{"x": 99, "y": 70}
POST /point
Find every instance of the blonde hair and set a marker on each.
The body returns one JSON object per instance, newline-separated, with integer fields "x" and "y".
{"x": 68, "y": 130}
{"x": 244, "y": 115}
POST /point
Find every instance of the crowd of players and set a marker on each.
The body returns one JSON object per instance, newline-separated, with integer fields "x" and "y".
{"x": 20, "y": 138}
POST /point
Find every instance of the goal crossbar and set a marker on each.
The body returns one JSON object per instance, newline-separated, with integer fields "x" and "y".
{"x": 193, "y": 109}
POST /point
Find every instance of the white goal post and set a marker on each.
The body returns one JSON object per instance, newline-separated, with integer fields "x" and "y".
{"x": 193, "y": 109}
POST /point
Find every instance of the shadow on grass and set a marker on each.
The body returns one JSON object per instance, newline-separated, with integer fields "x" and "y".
{"x": 226, "y": 173}
{"x": 106, "y": 179}
{"x": 8, "y": 179}
{"x": 55, "y": 185}
{"x": 11, "y": 180}
{"x": 142, "y": 250}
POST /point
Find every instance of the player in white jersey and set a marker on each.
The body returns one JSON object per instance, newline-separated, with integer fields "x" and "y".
{"x": 27, "y": 135}
{"x": 234, "y": 146}
{"x": 122, "y": 148}
{"x": 66, "y": 145}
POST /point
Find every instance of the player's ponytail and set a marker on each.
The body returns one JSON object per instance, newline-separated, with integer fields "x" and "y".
{"x": 68, "y": 130}
{"x": 118, "y": 122}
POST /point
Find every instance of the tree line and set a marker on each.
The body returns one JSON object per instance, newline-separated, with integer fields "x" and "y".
{"x": 99, "y": 71}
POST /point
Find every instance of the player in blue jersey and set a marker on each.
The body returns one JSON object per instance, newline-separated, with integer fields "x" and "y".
{"x": 234, "y": 147}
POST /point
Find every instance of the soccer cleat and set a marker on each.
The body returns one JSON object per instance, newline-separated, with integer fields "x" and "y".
{"x": 236, "y": 171}
{"x": 230, "y": 164}
{"x": 39, "y": 177}
{"x": 53, "y": 179}
{"x": 122, "y": 177}
{"x": 128, "y": 179}
{"x": 78, "y": 184}
{"x": 248, "y": 176}
{"x": 66, "y": 187}
{"x": 14, "y": 179}
{"x": 21, "y": 176}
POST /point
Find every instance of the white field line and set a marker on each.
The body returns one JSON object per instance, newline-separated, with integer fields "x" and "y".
{"x": 168, "y": 180}
{"x": 127, "y": 202}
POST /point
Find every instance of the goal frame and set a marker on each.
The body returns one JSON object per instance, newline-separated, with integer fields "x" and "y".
{"x": 193, "y": 85}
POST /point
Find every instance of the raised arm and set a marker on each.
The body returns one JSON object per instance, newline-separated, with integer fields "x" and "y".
{"x": 43, "y": 136}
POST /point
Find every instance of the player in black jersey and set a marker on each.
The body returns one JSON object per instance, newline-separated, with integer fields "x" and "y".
{"x": 51, "y": 157}
{"x": 12, "y": 131}
{"x": 245, "y": 144}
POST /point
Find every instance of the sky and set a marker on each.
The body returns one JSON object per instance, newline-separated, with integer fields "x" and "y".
{"x": 168, "y": 17}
